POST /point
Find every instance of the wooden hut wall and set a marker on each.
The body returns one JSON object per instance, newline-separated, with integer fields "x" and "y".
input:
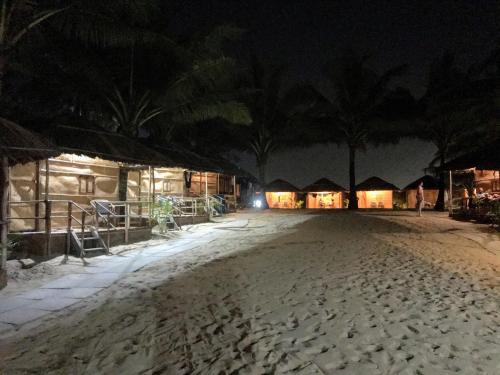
{"x": 375, "y": 199}
{"x": 71, "y": 177}
{"x": 198, "y": 183}
{"x": 23, "y": 188}
{"x": 430, "y": 197}
{"x": 324, "y": 200}
{"x": 167, "y": 181}
{"x": 281, "y": 199}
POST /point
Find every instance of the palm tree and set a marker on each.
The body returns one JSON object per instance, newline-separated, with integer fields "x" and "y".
{"x": 17, "y": 18}
{"x": 454, "y": 112}
{"x": 202, "y": 87}
{"x": 354, "y": 106}
{"x": 265, "y": 101}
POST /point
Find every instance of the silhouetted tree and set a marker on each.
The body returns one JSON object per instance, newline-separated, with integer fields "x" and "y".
{"x": 353, "y": 108}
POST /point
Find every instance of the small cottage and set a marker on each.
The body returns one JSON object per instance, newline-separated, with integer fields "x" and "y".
{"x": 281, "y": 194}
{"x": 431, "y": 190}
{"x": 324, "y": 194}
{"x": 375, "y": 193}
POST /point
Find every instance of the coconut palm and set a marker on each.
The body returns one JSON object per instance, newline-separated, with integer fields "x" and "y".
{"x": 17, "y": 18}
{"x": 454, "y": 112}
{"x": 353, "y": 107}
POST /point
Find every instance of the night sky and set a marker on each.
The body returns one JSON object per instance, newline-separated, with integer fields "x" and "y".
{"x": 306, "y": 34}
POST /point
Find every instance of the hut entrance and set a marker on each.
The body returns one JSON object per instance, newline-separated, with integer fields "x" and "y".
{"x": 375, "y": 199}
{"x": 281, "y": 199}
{"x": 324, "y": 200}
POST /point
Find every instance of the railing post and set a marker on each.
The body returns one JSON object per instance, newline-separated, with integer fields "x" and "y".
{"x": 68, "y": 236}
{"x": 127, "y": 220}
{"x": 83, "y": 232}
{"x": 48, "y": 226}
{"x": 109, "y": 234}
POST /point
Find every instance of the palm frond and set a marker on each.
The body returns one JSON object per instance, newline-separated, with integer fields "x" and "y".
{"x": 231, "y": 111}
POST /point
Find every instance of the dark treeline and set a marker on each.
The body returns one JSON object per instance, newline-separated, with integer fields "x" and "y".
{"x": 119, "y": 64}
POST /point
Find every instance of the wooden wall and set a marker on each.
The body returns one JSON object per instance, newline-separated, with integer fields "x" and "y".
{"x": 375, "y": 199}
{"x": 281, "y": 199}
{"x": 324, "y": 200}
{"x": 430, "y": 198}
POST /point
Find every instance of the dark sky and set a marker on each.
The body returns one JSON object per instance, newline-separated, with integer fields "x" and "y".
{"x": 306, "y": 34}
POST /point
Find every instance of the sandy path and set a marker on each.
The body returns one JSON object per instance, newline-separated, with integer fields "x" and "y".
{"x": 292, "y": 293}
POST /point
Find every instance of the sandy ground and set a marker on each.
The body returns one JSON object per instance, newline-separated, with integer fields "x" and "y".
{"x": 295, "y": 293}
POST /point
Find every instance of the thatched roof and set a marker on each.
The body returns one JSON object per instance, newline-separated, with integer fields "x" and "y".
{"x": 487, "y": 158}
{"x": 375, "y": 183}
{"x": 21, "y": 145}
{"x": 181, "y": 157}
{"x": 429, "y": 183}
{"x": 229, "y": 168}
{"x": 323, "y": 184}
{"x": 95, "y": 141}
{"x": 281, "y": 186}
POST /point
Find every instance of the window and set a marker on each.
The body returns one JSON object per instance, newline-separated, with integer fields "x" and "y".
{"x": 87, "y": 184}
{"x": 167, "y": 186}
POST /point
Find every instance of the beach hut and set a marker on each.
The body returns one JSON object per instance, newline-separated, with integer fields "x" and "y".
{"x": 324, "y": 194}
{"x": 484, "y": 167}
{"x": 375, "y": 193}
{"x": 281, "y": 194}
{"x": 431, "y": 190}
{"x": 483, "y": 163}
{"x": 17, "y": 145}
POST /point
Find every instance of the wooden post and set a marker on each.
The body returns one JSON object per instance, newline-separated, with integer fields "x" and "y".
{"x": 37, "y": 196}
{"x": 82, "y": 240}
{"x": 149, "y": 197}
{"x": 139, "y": 195}
{"x": 48, "y": 226}
{"x": 218, "y": 187}
{"x": 48, "y": 210}
{"x": 3, "y": 220}
{"x": 68, "y": 237}
{"x": 127, "y": 221}
{"x": 154, "y": 184}
{"x": 47, "y": 179}
{"x": 108, "y": 240}
{"x": 234, "y": 191}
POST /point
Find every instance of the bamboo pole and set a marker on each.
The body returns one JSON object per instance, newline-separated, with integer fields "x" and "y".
{"x": 37, "y": 195}
{"x": 154, "y": 184}
{"x": 3, "y": 221}
{"x": 234, "y": 191}
{"x": 206, "y": 185}
{"x": 48, "y": 210}
{"x": 127, "y": 221}
{"x": 139, "y": 195}
{"x": 68, "y": 238}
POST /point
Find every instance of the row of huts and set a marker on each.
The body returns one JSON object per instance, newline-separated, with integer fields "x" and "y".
{"x": 374, "y": 192}
{"x": 52, "y": 180}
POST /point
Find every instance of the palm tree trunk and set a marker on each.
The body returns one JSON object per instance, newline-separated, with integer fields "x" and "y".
{"x": 353, "y": 198}
{"x": 262, "y": 181}
{"x": 262, "y": 173}
{"x": 441, "y": 178}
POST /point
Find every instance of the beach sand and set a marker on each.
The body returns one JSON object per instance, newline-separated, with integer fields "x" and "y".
{"x": 290, "y": 293}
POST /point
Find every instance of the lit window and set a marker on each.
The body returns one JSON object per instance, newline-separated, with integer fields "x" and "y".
{"x": 167, "y": 186}
{"x": 86, "y": 184}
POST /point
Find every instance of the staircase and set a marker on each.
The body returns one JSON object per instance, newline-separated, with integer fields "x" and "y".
{"x": 88, "y": 242}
